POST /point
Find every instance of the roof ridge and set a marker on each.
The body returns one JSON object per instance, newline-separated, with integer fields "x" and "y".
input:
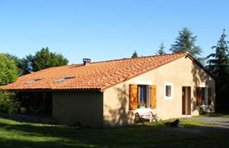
{"x": 181, "y": 52}
{"x": 113, "y": 60}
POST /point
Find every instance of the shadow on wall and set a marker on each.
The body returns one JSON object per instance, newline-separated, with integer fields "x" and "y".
{"x": 199, "y": 76}
{"x": 120, "y": 114}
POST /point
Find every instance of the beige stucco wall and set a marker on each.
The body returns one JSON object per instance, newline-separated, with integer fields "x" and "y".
{"x": 181, "y": 72}
{"x": 71, "y": 107}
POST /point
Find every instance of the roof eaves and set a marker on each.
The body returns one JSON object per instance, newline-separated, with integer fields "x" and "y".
{"x": 53, "y": 89}
{"x": 77, "y": 89}
{"x": 200, "y": 65}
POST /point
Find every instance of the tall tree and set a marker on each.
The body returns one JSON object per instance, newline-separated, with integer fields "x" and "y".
{"x": 41, "y": 60}
{"x": 161, "y": 50}
{"x": 45, "y": 59}
{"x": 186, "y": 42}
{"x": 134, "y": 55}
{"x": 9, "y": 71}
{"x": 218, "y": 63}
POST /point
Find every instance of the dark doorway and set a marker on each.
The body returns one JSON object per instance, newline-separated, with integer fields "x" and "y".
{"x": 35, "y": 102}
{"x": 186, "y": 100}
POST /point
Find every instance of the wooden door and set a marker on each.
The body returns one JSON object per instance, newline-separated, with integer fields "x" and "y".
{"x": 186, "y": 100}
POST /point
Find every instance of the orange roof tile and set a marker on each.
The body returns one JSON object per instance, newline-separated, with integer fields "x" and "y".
{"x": 96, "y": 75}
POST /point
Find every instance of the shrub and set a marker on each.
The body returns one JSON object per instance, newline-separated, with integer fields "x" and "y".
{"x": 8, "y": 103}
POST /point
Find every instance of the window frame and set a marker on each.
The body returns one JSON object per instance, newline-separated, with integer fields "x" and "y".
{"x": 134, "y": 96}
{"x": 147, "y": 95}
{"x": 171, "y": 85}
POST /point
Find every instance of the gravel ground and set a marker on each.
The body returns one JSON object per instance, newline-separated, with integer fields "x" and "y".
{"x": 213, "y": 125}
{"x": 214, "y": 121}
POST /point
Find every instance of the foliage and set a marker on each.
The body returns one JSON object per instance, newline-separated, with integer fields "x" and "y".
{"x": 161, "y": 50}
{"x": 27, "y": 64}
{"x": 8, "y": 70}
{"x": 186, "y": 42}
{"x": 218, "y": 61}
{"x": 218, "y": 65}
{"x": 41, "y": 60}
{"x": 134, "y": 55}
{"x": 18, "y": 62}
{"x": 8, "y": 104}
{"x": 45, "y": 59}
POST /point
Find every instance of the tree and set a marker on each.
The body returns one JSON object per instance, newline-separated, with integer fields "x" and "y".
{"x": 218, "y": 63}
{"x": 161, "y": 50}
{"x": 18, "y": 62}
{"x": 26, "y": 64}
{"x": 9, "y": 71}
{"x": 8, "y": 102}
{"x": 186, "y": 42}
{"x": 41, "y": 60}
{"x": 134, "y": 55}
{"x": 45, "y": 59}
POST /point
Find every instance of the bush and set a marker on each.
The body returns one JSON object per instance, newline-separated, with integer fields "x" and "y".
{"x": 8, "y": 103}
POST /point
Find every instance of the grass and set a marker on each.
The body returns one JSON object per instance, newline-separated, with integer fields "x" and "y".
{"x": 192, "y": 133}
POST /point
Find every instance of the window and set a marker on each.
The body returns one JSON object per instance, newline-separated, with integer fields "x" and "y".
{"x": 142, "y": 96}
{"x": 32, "y": 81}
{"x": 203, "y": 95}
{"x": 64, "y": 79}
{"x": 168, "y": 90}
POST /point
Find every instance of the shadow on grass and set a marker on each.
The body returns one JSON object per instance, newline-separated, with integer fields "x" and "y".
{"x": 148, "y": 135}
{"x": 27, "y": 143}
{"x": 24, "y": 135}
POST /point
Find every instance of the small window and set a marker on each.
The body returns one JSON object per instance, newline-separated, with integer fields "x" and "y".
{"x": 168, "y": 90}
{"x": 32, "y": 81}
{"x": 64, "y": 79}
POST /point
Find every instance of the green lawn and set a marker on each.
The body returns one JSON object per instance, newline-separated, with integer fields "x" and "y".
{"x": 192, "y": 133}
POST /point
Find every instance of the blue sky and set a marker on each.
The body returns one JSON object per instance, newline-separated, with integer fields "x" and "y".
{"x": 107, "y": 29}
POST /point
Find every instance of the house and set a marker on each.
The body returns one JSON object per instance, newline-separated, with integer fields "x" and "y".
{"x": 107, "y": 93}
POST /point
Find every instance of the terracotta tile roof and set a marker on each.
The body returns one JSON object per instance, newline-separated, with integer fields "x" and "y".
{"x": 96, "y": 75}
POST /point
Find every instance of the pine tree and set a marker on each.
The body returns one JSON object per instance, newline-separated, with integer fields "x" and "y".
{"x": 186, "y": 42}
{"x": 161, "y": 50}
{"x": 218, "y": 63}
{"x": 134, "y": 55}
